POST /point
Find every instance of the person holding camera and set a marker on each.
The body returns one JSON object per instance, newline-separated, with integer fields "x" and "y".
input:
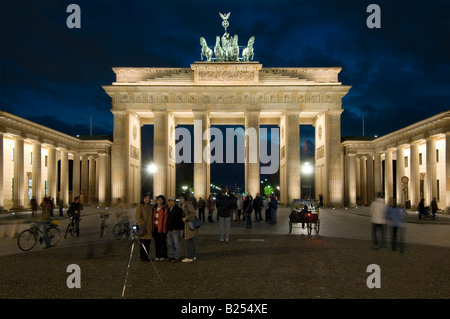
{"x": 144, "y": 220}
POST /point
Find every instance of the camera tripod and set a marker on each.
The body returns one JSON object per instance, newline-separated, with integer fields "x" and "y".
{"x": 137, "y": 240}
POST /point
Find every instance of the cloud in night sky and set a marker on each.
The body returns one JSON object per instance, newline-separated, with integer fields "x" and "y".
{"x": 52, "y": 75}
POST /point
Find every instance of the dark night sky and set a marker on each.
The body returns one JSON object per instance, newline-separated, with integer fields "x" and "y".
{"x": 52, "y": 75}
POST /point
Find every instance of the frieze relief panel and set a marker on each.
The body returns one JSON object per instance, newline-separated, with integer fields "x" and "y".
{"x": 230, "y": 98}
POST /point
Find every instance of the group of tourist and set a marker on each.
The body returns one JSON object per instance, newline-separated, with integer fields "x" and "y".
{"x": 164, "y": 220}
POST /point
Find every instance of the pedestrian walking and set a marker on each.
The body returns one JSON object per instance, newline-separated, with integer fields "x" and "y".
{"x": 144, "y": 220}
{"x": 396, "y": 226}
{"x": 226, "y": 204}
{"x": 160, "y": 212}
{"x": 189, "y": 235}
{"x": 210, "y": 205}
{"x": 175, "y": 225}
{"x": 378, "y": 219}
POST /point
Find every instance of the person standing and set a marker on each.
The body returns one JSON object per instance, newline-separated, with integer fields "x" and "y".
{"x": 226, "y": 204}
{"x": 378, "y": 218}
{"x": 160, "y": 212}
{"x": 421, "y": 208}
{"x": 240, "y": 206}
{"x": 266, "y": 208}
{"x": 434, "y": 207}
{"x": 33, "y": 204}
{"x": 210, "y": 206}
{"x": 144, "y": 219}
{"x": 273, "y": 204}
{"x": 189, "y": 235}
{"x": 248, "y": 209}
{"x": 201, "y": 205}
{"x": 257, "y": 206}
{"x": 175, "y": 225}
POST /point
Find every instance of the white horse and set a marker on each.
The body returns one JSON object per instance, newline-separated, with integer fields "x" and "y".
{"x": 218, "y": 51}
{"x": 248, "y": 51}
{"x": 207, "y": 52}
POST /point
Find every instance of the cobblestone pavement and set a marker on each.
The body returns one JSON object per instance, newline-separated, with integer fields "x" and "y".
{"x": 268, "y": 267}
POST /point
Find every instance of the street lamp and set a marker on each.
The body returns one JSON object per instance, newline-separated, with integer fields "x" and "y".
{"x": 151, "y": 168}
{"x": 307, "y": 168}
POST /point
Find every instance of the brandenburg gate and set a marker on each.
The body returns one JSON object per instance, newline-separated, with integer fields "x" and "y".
{"x": 227, "y": 89}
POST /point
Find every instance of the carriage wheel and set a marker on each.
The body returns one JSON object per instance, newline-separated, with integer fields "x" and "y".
{"x": 290, "y": 226}
{"x": 309, "y": 226}
{"x": 317, "y": 226}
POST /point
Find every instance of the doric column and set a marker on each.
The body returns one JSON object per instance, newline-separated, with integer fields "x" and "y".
{"x": 76, "y": 176}
{"x": 370, "y": 181}
{"x": 290, "y": 157}
{"x": 102, "y": 178}
{"x": 252, "y": 167}
{"x": 363, "y": 174}
{"x": 414, "y": 172}
{"x": 430, "y": 176}
{"x": 388, "y": 177}
{"x": 160, "y": 154}
{"x": 377, "y": 173}
{"x": 36, "y": 172}
{"x": 333, "y": 157}
{"x": 92, "y": 180}
{"x": 358, "y": 179}
{"x": 84, "y": 177}
{"x": 351, "y": 178}
{"x": 1, "y": 172}
{"x": 400, "y": 172}
{"x": 51, "y": 172}
{"x": 447, "y": 172}
{"x": 64, "y": 178}
{"x": 19, "y": 174}
{"x": 201, "y": 185}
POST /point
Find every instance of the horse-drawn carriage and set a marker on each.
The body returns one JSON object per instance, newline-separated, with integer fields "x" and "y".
{"x": 305, "y": 212}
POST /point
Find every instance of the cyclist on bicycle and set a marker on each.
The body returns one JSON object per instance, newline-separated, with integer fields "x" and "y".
{"x": 75, "y": 212}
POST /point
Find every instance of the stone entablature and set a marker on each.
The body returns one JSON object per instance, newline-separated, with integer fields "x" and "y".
{"x": 17, "y": 126}
{"x": 226, "y": 73}
{"x": 434, "y": 126}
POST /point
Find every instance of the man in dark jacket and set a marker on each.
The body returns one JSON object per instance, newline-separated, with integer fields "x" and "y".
{"x": 226, "y": 204}
{"x": 257, "y": 206}
{"x": 175, "y": 225}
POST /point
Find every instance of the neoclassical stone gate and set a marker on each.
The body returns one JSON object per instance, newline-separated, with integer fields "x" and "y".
{"x": 215, "y": 93}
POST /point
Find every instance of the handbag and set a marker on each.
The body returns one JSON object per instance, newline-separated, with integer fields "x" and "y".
{"x": 141, "y": 231}
{"x": 195, "y": 224}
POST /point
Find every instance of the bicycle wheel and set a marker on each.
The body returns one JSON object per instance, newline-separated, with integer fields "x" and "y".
{"x": 69, "y": 230}
{"x": 26, "y": 240}
{"x": 118, "y": 231}
{"x": 53, "y": 234}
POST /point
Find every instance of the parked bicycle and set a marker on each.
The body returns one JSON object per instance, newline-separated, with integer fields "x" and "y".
{"x": 103, "y": 225}
{"x": 122, "y": 230}
{"x": 29, "y": 237}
